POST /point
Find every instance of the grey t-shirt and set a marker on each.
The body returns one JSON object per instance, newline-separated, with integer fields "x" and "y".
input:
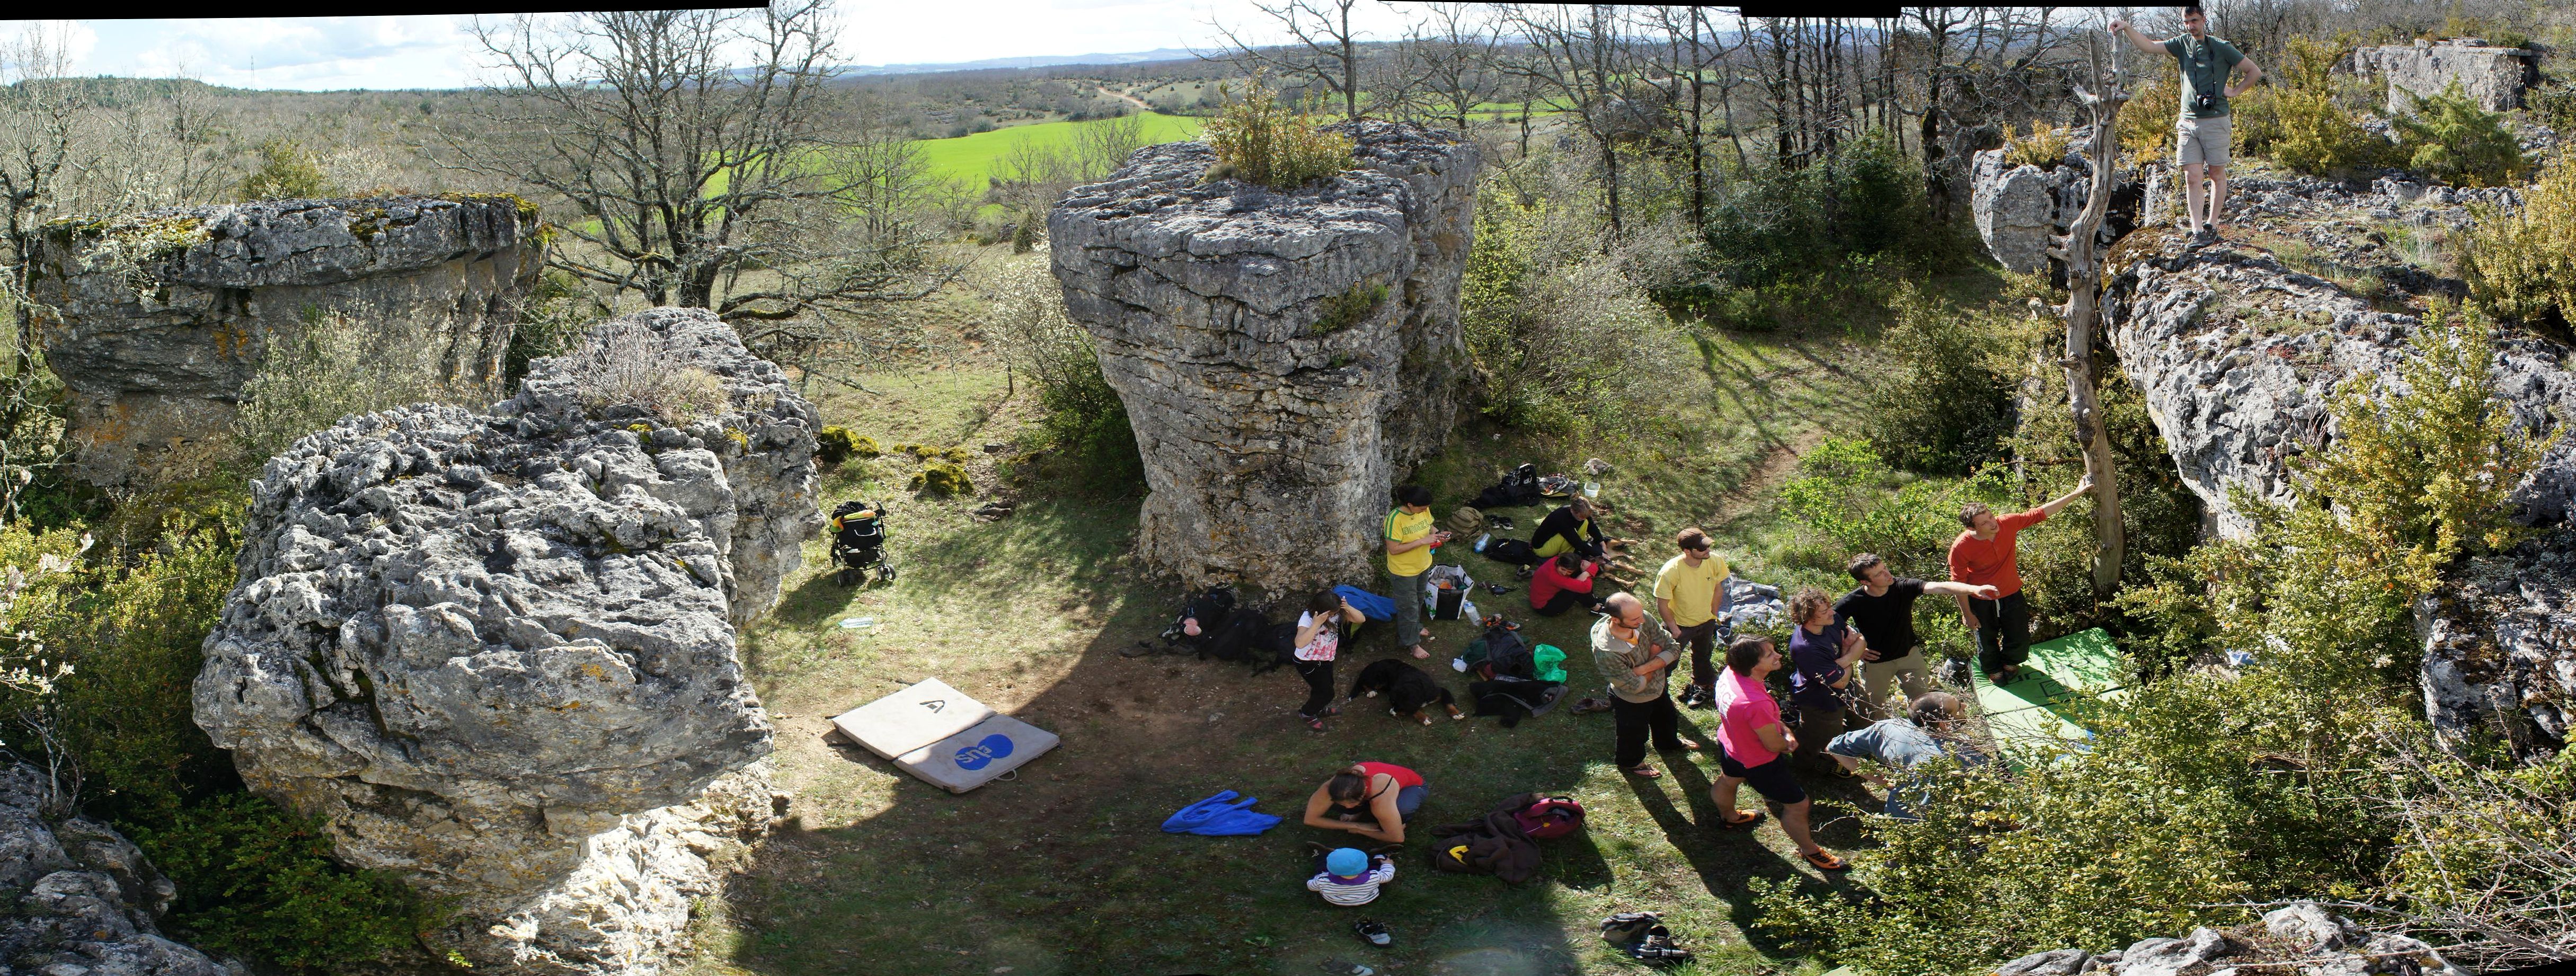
{"x": 2205, "y": 66}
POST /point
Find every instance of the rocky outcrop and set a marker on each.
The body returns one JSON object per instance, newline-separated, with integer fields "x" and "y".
{"x": 154, "y": 322}
{"x": 2493, "y": 77}
{"x": 86, "y": 902}
{"x": 2299, "y": 939}
{"x": 2022, "y": 209}
{"x": 496, "y": 652}
{"x": 1282, "y": 354}
{"x": 2238, "y": 349}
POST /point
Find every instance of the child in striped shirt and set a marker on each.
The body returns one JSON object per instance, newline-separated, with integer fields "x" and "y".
{"x": 1350, "y": 877}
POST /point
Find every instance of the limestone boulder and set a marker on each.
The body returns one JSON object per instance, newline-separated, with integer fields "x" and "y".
{"x": 2493, "y": 77}
{"x": 85, "y": 900}
{"x": 1283, "y": 355}
{"x": 2022, "y": 209}
{"x": 155, "y": 321}
{"x": 2301, "y": 938}
{"x": 495, "y": 652}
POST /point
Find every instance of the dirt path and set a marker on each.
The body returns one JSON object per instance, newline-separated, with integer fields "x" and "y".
{"x": 1774, "y": 468}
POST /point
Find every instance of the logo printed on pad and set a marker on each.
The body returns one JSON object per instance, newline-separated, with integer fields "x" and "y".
{"x": 935, "y": 704}
{"x": 983, "y": 753}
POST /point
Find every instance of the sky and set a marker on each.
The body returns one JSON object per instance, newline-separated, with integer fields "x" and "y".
{"x": 322, "y": 53}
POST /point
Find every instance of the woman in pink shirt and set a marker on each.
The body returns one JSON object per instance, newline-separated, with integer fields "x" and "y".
{"x": 1756, "y": 743}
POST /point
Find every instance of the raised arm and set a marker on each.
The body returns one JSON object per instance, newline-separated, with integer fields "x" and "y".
{"x": 2061, "y": 501}
{"x": 2140, "y": 41}
{"x": 1959, "y": 589}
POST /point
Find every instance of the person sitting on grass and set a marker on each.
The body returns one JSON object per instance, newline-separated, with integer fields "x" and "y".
{"x": 1930, "y": 731}
{"x": 1569, "y": 529}
{"x": 1562, "y": 584}
{"x": 1349, "y": 877}
{"x": 1371, "y": 799}
{"x": 1755, "y": 744}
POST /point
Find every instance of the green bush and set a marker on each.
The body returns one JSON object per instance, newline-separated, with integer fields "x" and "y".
{"x": 2521, "y": 264}
{"x": 258, "y": 881}
{"x": 1945, "y": 405}
{"x": 552, "y": 321}
{"x": 2449, "y": 138}
{"x": 1083, "y": 425}
{"x": 1562, "y": 339}
{"x": 2043, "y": 146}
{"x": 941, "y": 478}
{"x": 1795, "y": 245}
{"x": 835, "y": 444}
{"x": 2297, "y": 123}
{"x": 287, "y": 171}
{"x": 1347, "y": 309}
{"x": 1259, "y": 140}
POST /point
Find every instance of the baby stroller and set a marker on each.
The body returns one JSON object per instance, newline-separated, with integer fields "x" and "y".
{"x": 858, "y": 543}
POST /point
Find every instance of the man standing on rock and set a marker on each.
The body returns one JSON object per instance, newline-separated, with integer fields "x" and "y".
{"x": 2204, "y": 133}
{"x": 1988, "y": 554}
{"x": 1409, "y": 541}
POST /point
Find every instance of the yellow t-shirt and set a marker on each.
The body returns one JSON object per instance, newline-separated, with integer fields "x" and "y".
{"x": 1691, "y": 591}
{"x": 1557, "y": 544}
{"x": 1404, "y": 526}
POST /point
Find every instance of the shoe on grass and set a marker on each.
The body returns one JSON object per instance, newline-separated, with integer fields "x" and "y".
{"x": 1375, "y": 933}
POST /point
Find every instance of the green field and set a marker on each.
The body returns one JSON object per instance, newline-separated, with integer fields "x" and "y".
{"x": 972, "y": 158}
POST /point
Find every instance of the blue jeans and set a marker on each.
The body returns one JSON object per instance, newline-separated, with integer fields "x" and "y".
{"x": 1407, "y": 591}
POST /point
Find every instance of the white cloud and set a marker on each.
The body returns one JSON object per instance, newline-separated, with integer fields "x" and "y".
{"x": 318, "y": 53}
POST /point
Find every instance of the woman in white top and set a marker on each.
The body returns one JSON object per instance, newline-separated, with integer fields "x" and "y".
{"x": 1319, "y": 638}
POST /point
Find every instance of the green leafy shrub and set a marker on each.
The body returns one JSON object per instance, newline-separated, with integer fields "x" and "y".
{"x": 835, "y": 444}
{"x": 1945, "y": 405}
{"x": 941, "y": 478}
{"x": 2521, "y": 264}
{"x": 2043, "y": 146}
{"x": 1347, "y": 309}
{"x": 334, "y": 366}
{"x": 957, "y": 455}
{"x": 1084, "y": 427}
{"x": 259, "y": 881}
{"x": 1563, "y": 339}
{"x": 1817, "y": 244}
{"x": 2449, "y": 138}
{"x": 287, "y": 171}
{"x": 2298, "y": 123}
{"x": 1259, "y": 140}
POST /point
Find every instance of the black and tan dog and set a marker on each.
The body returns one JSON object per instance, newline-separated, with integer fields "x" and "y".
{"x": 1410, "y": 688}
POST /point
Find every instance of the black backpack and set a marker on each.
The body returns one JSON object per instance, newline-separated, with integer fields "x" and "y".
{"x": 1518, "y": 487}
{"x": 1244, "y": 637}
{"x": 1513, "y": 551}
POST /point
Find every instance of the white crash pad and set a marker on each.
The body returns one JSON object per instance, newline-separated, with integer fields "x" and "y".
{"x": 912, "y": 719}
{"x": 976, "y": 756}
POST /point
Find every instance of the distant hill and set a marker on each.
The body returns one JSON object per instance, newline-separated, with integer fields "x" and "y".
{"x": 1040, "y": 61}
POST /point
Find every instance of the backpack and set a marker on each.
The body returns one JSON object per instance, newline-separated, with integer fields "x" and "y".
{"x": 1241, "y": 639}
{"x": 1466, "y": 520}
{"x": 1518, "y": 487}
{"x": 1211, "y": 608}
{"x": 1513, "y": 551}
{"x": 1544, "y": 817}
{"x": 1643, "y": 937}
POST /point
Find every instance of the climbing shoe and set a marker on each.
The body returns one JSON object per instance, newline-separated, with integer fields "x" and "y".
{"x": 1376, "y": 934}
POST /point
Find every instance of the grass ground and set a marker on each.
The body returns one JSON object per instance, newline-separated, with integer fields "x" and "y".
{"x": 1063, "y": 870}
{"x": 969, "y": 159}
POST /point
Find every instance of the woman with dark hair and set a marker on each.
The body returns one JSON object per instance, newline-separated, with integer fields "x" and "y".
{"x": 1367, "y": 793}
{"x": 1562, "y": 584}
{"x": 1319, "y": 640}
{"x": 1823, "y": 655}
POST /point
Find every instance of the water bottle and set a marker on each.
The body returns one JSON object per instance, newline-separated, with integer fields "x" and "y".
{"x": 1481, "y": 540}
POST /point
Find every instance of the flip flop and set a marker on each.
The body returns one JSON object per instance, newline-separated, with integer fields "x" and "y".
{"x": 1736, "y": 819}
{"x": 1643, "y": 772}
{"x": 1824, "y": 860}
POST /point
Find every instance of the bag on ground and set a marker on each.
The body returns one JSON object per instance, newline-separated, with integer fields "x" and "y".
{"x": 1514, "y": 551}
{"x": 1545, "y": 817}
{"x": 1466, "y": 520}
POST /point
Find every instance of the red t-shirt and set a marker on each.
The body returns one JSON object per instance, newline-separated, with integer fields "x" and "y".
{"x": 1403, "y": 777}
{"x": 1989, "y": 562}
{"x": 1546, "y": 581}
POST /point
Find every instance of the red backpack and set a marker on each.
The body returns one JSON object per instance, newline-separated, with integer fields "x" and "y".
{"x": 1543, "y": 817}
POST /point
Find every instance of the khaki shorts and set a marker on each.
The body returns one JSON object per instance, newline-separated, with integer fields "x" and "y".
{"x": 2203, "y": 142}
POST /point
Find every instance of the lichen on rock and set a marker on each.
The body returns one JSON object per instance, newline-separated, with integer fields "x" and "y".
{"x": 1282, "y": 354}
{"x": 496, "y": 652}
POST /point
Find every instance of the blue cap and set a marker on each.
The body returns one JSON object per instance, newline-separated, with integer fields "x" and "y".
{"x": 1346, "y": 862}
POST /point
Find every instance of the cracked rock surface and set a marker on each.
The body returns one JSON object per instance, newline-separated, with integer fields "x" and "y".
{"x": 2301, "y": 938}
{"x": 86, "y": 900}
{"x": 155, "y": 321}
{"x": 495, "y": 652}
{"x": 1283, "y": 355}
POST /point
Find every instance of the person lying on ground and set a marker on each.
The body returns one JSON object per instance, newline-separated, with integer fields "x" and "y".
{"x": 1822, "y": 654}
{"x": 1882, "y": 610}
{"x": 1929, "y": 731}
{"x": 1986, "y": 555}
{"x": 1570, "y": 528}
{"x": 1410, "y": 537}
{"x": 1564, "y": 583}
{"x": 1371, "y": 799}
{"x": 1349, "y": 877}
{"x": 1690, "y": 596}
{"x": 1635, "y": 654}
{"x": 1755, "y": 747}
{"x": 1319, "y": 641}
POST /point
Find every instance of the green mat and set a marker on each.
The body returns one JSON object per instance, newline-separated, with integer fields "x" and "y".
{"x": 2029, "y": 716}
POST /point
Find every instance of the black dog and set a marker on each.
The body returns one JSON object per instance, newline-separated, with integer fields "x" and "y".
{"x": 1410, "y": 688}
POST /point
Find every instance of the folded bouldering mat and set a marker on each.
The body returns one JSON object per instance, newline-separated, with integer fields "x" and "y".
{"x": 937, "y": 733}
{"x": 2029, "y": 716}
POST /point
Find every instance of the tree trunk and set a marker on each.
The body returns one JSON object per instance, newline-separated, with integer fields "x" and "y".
{"x": 2083, "y": 318}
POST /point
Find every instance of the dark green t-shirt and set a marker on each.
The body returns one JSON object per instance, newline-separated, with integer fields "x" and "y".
{"x": 2205, "y": 67}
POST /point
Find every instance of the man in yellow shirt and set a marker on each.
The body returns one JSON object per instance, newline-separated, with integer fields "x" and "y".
{"x": 1690, "y": 592}
{"x": 1409, "y": 539}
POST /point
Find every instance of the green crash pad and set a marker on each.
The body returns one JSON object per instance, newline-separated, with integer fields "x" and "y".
{"x": 2029, "y": 716}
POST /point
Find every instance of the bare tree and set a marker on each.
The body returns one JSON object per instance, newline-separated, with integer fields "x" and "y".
{"x": 711, "y": 165}
{"x": 1325, "y": 48}
{"x": 2081, "y": 249}
{"x": 1977, "y": 67}
{"x": 1450, "y": 53}
{"x": 1691, "y": 60}
{"x": 2488, "y": 859}
{"x": 1579, "y": 55}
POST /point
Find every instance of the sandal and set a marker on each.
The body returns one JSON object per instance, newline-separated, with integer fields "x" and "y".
{"x": 1824, "y": 860}
{"x": 1740, "y": 818}
{"x": 1313, "y": 722}
{"x": 1643, "y": 772}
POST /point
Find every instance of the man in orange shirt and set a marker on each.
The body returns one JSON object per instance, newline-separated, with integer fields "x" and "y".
{"x": 1984, "y": 556}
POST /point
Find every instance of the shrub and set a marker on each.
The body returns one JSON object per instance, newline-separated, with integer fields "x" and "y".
{"x": 2147, "y": 123}
{"x": 941, "y": 478}
{"x": 1808, "y": 244}
{"x": 835, "y": 444}
{"x": 1349, "y": 308}
{"x": 2043, "y": 146}
{"x": 287, "y": 171}
{"x": 2521, "y": 264}
{"x": 336, "y": 366}
{"x": 957, "y": 455}
{"x": 2449, "y": 138}
{"x": 629, "y": 364}
{"x": 259, "y": 881}
{"x": 1945, "y": 404}
{"x": 551, "y": 322}
{"x": 1084, "y": 422}
{"x": 1260, "y": 140}
{"x": 2297, "y": 122}
{"x": 1562, "y": 339}
{"x": 1848, "y": 499}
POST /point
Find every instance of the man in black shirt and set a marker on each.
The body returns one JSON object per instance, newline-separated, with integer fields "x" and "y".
{"x": 1882, "y": 611}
